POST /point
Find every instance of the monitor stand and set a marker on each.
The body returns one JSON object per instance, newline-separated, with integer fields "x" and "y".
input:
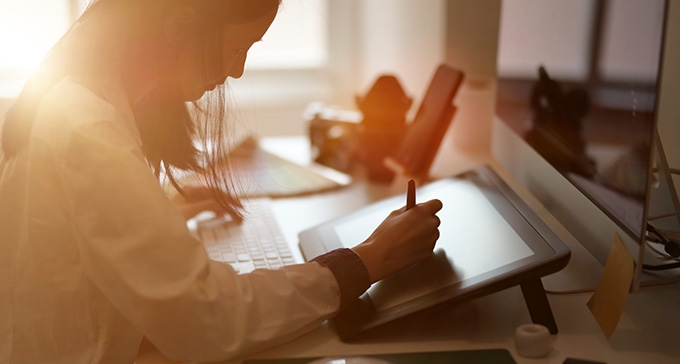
{"x": 663, "y": 212}
{"x": 583, "y": 272}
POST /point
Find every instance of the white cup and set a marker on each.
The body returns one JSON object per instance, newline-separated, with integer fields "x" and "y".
{"x": 533, "y": 341}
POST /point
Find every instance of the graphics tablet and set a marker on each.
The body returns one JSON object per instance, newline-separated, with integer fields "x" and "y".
{"x": 490, "y": 240}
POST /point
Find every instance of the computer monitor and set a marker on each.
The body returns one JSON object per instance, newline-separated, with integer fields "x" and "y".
{"x": 578, "y": 100}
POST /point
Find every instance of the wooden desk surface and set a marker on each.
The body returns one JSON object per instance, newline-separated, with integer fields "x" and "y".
{"x": 647, "y": 332}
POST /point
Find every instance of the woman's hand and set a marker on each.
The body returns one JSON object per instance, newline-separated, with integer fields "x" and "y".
{"x": 403, "y": 238}
{"x": 196, "y": 199}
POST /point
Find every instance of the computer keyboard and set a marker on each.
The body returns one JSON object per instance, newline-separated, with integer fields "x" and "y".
{"x": 259, "y": 173}
{"x": 255, "y": 243}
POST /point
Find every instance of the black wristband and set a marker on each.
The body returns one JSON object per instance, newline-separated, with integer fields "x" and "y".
{"x": 350, "y": 272}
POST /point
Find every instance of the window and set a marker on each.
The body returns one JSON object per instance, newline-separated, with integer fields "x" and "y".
{"x": 612, "y": 46}
{"x": 522, "y": 38}
{"x": 296, "y": 39}
{"x": 28, "y": 28}
{"x": 626, "y": 34}
{"x": 290, "y": 68}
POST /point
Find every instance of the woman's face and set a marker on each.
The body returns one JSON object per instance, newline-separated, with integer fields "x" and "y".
{"x": 194, "y": 78}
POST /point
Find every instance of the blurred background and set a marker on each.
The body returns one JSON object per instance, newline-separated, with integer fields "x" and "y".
{"x": 330, "y": 51}
{"x": 316, "y": 50}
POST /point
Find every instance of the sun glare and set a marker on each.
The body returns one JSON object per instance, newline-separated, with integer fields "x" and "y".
{"x": 28, "y": 29}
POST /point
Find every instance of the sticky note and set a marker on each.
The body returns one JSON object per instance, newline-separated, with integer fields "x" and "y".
{"x": 609, "y": 299}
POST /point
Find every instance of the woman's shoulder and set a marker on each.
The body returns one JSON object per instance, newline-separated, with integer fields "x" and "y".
{"x": 75, "y": 100}
{"x": 79, "y": 103}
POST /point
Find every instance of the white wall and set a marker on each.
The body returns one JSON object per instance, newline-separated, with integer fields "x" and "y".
{"x": 405, "y": 38}
{"x": 471, "y": 45}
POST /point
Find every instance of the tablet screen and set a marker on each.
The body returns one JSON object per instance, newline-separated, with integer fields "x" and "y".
{"x": 474, "y": 237}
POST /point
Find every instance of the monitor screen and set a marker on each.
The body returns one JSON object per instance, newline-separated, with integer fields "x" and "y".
{"x": 577, "y": 80}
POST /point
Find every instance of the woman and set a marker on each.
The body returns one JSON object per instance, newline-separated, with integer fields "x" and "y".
{"x": 94, "y": 254}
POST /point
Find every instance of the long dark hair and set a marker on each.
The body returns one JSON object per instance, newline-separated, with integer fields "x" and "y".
{"x": 175, "y": 136}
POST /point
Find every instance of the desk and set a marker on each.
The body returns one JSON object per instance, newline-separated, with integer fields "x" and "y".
{"x": 648, "y": 331}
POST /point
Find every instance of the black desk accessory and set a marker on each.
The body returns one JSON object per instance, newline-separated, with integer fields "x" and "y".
{"x": 484, "y": 356}
{"x": 418, "y": 148}
{"x": 342, "y": 139}
{"x": 382, "y": 140}
{"x": 557, "y": 127}
{"x": 384, "y": 109}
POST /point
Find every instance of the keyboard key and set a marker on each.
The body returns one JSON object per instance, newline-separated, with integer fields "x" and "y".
{"x": 257, "y": 243}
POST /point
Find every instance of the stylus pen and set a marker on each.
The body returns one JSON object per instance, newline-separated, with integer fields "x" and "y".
{"x": 411, "y": 194}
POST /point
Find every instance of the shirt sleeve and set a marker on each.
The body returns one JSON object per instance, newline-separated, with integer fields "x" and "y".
{"x": 135, "y": 246}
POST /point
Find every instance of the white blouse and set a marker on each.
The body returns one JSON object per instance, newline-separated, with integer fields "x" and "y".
{"x": 93, "y": 254}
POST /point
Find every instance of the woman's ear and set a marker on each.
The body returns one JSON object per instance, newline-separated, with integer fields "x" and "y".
{"x": 178, "y": 22}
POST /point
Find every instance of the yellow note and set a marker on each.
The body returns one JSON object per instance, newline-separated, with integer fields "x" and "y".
{"x": 610, "y": 296}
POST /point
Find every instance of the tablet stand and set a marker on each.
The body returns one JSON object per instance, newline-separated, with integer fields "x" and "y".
{"x": 538, "y": 305}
